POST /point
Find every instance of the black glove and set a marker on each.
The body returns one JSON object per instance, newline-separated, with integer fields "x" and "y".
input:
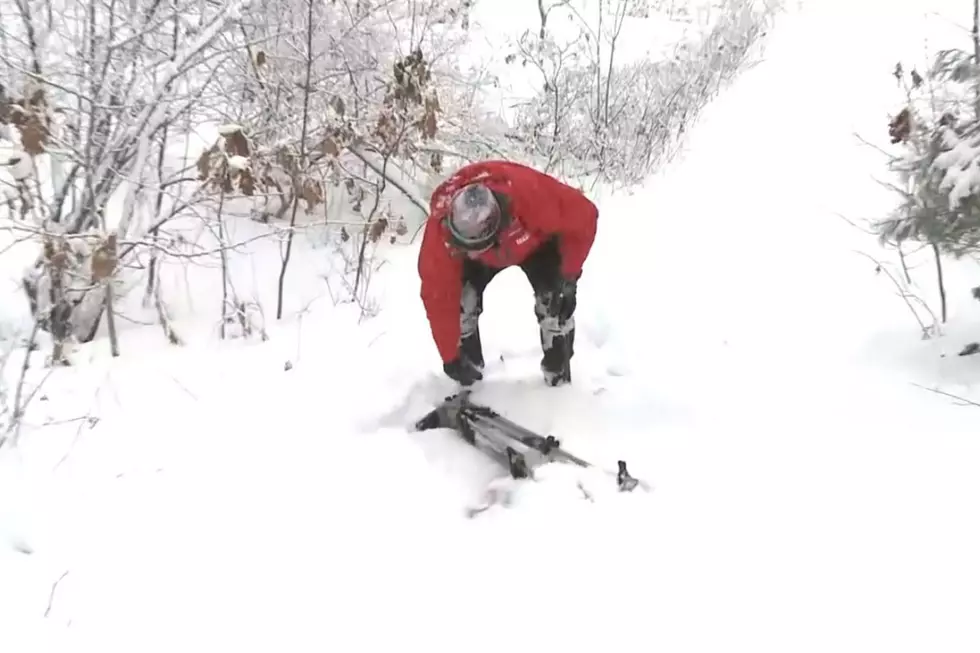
{"x": 462, "y": 371}
{"x": 561, "y": 303}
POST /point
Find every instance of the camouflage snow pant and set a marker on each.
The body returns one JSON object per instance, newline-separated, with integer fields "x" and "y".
{"x": 543, "y": 271}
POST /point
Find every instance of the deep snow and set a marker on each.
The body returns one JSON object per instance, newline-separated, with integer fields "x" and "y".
{"x": 734, "y": 348}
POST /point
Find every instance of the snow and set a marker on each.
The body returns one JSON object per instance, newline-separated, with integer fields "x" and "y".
{"x": 17, "y": 163}
{"x": 735, "y": 349}
{"x": 958, "y": 167}
{"x": 238, "y": 162}
{"x": 229, "y": 129}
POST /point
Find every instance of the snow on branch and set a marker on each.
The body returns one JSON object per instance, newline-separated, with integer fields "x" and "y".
{"x": 89, "y": 114}
{"x": 599, "y": 115}
{"x": 134, "y": 125}
{"x": 936, "y": 157}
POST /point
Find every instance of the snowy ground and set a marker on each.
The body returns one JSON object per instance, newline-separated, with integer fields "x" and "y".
{"x": 735, "y": 349}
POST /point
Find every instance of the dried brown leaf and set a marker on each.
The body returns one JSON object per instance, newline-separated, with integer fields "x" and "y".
{"x": 56, "y": 256}
{"x": 204, "y": 164}
{"x": 377, "y": 229}
{"x": 900, "y": 127}
{"x": 329, "y": 146}
{"x": 312, "y": 194}
{"x": 246, "y": 183}
{"x": 33, "y": 134}
{"x": 286, "y": 161}
{"x": 236, "y": 144}
{"x": 104, "y": 259}
{"x": 430, "y": 127}
{"x": 435, "y": 161}
{"x": 432, "y": 104}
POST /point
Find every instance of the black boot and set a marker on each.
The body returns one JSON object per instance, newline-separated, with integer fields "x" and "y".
{"x": 555, "y": 379}
{"x": 556, "y": 364}
{"x": 472, "y": 349}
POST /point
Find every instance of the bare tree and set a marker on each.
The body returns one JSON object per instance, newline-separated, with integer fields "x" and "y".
{"x": 301, "y": 163}
{"x": 975, "y": 34}
{"x": 89, "y": 112}
{"x": 332, "y": 126}
{"x": 612, "y": 121}
{"x": 335, "y": 120}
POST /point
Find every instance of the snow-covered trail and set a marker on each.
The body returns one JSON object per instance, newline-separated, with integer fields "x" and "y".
{"x": 265, "y": 509}
{"x": 843, "y": 495}
{"x": 806, "y": 499}
{"x": 740, "y": 243}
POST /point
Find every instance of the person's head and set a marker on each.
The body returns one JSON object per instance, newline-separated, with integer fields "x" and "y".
{"x": 474, "y": 219}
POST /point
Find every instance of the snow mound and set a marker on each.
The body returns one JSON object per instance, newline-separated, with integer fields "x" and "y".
{"x": 555, "y": 489}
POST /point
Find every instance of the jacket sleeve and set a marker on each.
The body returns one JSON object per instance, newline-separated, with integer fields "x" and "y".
{"x": 442, "y": 286}
{"x": 573, "y": 218}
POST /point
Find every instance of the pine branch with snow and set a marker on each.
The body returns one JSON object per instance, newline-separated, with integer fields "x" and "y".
{"x": 937, "y": 164}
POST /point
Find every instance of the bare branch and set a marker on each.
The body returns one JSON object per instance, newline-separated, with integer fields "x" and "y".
{"x": 54, "y": 589}
{"x": 961, "y": 401}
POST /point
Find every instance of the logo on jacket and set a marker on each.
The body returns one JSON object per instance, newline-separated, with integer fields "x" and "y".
{"x": 517, "y": 234}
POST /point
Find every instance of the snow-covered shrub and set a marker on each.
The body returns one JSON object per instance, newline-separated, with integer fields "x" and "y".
{"x": 937, "y": 133}
{"x": 330, "y": 119}
{"x": 377, "y": 74}
{"x": 92, "y": 92}
{"x": 596, "y": 115}
{"x": 340, "y": 111}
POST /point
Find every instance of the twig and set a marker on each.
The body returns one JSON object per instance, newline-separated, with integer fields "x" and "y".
{"x": 905, "y": 265}
{"x": 110, "y": 314}
{"x": 380, "y": 170}
{"x": 54, "y": 588}
{"x": 20, "y": 404}
{"x": 940, "y": 280}
{"x": 90, "y": 422}
{"x": 224, "y": 265}
{"x": 906, "y": 296}
{"x": 854, "y": 224}
{"x": 963, "y": 401}
{"x": 164, "y": 317}
{"x": 297, "y": 182}
{"x": 873, "y": 146}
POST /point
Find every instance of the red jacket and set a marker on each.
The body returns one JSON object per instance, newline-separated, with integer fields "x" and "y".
{"x": 540, "y": 207}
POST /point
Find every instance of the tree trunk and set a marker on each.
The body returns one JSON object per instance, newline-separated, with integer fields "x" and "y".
{"x": 976, "y": 51}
